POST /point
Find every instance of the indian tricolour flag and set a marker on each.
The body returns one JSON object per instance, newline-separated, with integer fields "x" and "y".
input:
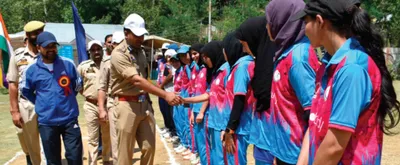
{"x": 5, "y": 51}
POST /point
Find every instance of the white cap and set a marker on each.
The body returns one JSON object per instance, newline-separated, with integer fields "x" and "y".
{"x": 170, "y": 52}
{"x": 117, "y": 37}
{"x": 136, "y": 24}
{"x": 165, "y": 46}
{"x": 157, "y": 54}
{"x": 94, "y": 42}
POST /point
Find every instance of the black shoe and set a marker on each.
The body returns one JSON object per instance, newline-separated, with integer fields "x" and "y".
{"x": 28, "y": 160}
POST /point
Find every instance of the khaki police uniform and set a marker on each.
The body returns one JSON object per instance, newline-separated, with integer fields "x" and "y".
{"x": 29, "y": 134}
{"x": 105, "y": 85}
{"x": 134, "y": 115}
{"x": 89, "y": 72}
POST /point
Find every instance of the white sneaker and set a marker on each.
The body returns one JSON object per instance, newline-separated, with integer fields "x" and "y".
{"x": 163, "y": 131}
{"x": 195, "y": 161}
{"x": 175, "y": 139}
{"x": 178, "y": 147}
{"x": 190, "y": 156}
{"x": 181, "y": 150}
{"x": 167, "y": 135}
{"x": 193, "y": 157}
{"x": 187, "y": 152}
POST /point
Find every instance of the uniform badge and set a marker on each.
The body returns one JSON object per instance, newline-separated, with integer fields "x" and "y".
{"x": 64, "y": 83}
{"x": 277, "y": 76}
{"x": 23, "y": 61}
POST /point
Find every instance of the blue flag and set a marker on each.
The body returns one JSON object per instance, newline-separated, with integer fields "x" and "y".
{"x": 80, "y": 35}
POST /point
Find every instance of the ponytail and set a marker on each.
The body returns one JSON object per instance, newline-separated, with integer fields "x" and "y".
{"x": 372, "y": 41}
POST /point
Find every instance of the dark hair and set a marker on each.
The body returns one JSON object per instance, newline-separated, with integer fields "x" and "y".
{"x": 362, "y": 29}
{"x": 107, "y": 36}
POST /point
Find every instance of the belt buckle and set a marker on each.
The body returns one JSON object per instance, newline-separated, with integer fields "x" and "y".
{"x": 141, "y": 98}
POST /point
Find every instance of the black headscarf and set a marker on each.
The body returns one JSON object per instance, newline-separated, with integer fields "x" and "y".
{"x": 233, "y": 48}
{"x": 197, "y": 47}
{"x": 214, "y": 51}
{"x": 254, "y": 32}
{"x": 285, "y": 31}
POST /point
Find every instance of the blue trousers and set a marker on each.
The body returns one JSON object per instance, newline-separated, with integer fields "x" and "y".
{"x": 262, "y": 157}
{"x": 239, "y": 157}
{"x": 216, "y": 154}
{"x": 177, "y": 117}
{"x": 188, "y": 131}
{"x": 72, "y": 138}
{"x": 202, "y": 140}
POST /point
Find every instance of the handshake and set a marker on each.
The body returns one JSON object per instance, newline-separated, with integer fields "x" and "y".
{"x": 173, "y": 98}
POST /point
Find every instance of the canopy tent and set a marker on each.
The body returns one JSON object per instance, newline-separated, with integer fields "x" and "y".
{"x": 155, "y": 42}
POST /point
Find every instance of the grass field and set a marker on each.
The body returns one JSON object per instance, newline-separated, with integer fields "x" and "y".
{"x": 9, "y": 144}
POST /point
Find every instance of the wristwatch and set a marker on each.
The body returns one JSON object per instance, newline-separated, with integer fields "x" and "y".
{"x": 229, "y": 131}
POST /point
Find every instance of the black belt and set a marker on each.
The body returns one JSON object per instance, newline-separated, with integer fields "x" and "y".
{"x": 23, "y": 97}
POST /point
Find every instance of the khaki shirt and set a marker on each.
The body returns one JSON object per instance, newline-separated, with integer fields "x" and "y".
{"x": 18, "y": 64}
{"x": 89, "y": 73}
{"x": 105, "y": 79}
{"x": 125, "y": 63}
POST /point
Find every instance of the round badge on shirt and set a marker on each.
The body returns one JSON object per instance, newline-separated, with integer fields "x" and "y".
{"x": 217, "y": 82}
{"x": 277, "y": 76}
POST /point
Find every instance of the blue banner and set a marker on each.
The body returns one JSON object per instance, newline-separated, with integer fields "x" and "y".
{"x": 80, "y": 36}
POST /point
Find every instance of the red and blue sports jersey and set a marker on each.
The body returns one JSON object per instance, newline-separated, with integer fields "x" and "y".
{"x": 217, "y": 116}
{"x": 178, "y": 80}
{"x": 239, "y": 84}
{"x": 194, "y": 70}
{"x": 185, "y": 81}
{"x": 347, "y": 98}
{"x": 160, "y": 69}
{"x": 200, "y": 87}
{"x": 293, "y": 87}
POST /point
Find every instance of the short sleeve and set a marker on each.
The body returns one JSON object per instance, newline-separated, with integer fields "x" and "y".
{"x": 12, "y": 75}
{"x": 241, "y": 80}
{"x": 302, "y": 80}
{"x": 351, "y": 93}
{"x": 104, "y": 76}
{"x": 123, "y": 65}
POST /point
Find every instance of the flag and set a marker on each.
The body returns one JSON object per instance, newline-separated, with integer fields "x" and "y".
{"x": 6, "y": 52}
{"x": 80, "y": 35}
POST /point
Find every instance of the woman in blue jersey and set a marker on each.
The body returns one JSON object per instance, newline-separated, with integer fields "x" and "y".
{"x": 216, "y": 77}
{"x": 198, "y": 112}
{"x": 293, "y": 84}
{"x": 355, "y": 101}
{"x": 185, "y": 58}
{"x": 240, "y": 102}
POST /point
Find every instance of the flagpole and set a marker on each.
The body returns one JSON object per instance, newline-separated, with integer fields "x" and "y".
{"x": 209, "y": 21}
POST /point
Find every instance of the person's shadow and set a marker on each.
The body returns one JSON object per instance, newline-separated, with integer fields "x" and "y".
{"x": 136, "y": 150}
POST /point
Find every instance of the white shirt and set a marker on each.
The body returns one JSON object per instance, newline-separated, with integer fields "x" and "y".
{"x": 50, "y": 66}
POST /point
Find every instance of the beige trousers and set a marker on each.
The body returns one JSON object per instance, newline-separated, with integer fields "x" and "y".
{"x": 113, "y": 134}
{"x": 93, "y": 126}
{"x": 29, "y": 134}
{"x": 135, "y": 121}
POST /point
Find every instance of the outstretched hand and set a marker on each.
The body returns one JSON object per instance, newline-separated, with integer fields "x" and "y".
{"x": 173, "y": 99}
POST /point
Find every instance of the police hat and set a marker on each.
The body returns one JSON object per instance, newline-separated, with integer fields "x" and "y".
{"x": 33, "y": 25}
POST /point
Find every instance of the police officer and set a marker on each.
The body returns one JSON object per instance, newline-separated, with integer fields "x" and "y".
{"x": 134, "y": 114}
{"x": 106, "y": 103}
{"x": 89, "y": 71}
{"x": 22, "y": 111}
